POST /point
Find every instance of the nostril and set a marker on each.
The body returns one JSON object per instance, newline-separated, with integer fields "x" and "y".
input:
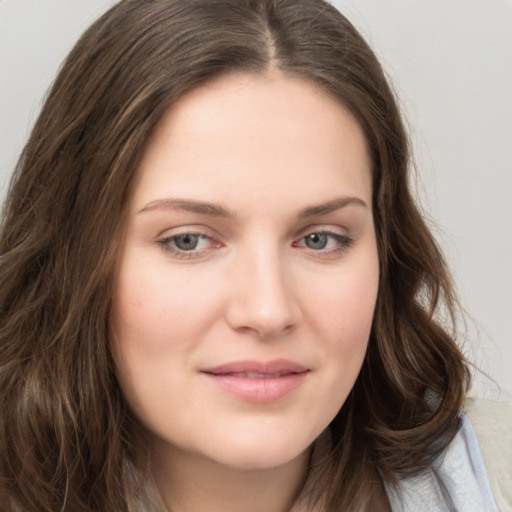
{"x": 264, "y": 324}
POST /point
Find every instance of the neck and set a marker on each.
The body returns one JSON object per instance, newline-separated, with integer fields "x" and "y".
{"x": 191, "y": 483}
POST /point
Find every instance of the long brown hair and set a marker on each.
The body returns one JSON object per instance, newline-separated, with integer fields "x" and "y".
{"x": 66, "y": 434}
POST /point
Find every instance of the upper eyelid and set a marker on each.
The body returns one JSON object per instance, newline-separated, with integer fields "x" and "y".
{"x": 185, "y": 230}
{"x": 323, "y": 228}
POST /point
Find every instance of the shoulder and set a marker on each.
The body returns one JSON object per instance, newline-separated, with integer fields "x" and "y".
{"x": 492, "y": 423}
{"x": 464, "y": 479}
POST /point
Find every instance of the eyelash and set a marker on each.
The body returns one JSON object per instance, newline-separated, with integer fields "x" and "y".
{"x": 344, "y": 243}
{"x": 168, "y": 244}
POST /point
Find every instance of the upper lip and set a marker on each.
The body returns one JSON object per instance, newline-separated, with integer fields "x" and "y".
{"x": 276, "y": 367}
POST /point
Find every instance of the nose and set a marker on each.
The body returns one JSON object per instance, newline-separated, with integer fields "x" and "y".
{"x": 263, "y": 298}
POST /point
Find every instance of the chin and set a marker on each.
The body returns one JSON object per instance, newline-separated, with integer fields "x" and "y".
{"x": 252, "y": 454}
{"x": 258, "y": 461}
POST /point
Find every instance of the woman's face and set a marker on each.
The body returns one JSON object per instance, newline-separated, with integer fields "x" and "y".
{"x": 249, "y": 272}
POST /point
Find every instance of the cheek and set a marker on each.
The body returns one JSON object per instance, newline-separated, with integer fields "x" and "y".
{"x": 159, "y": 309}
{"x": 154, "y": 325}
{"x": 342, "y": 315}
{"x": 344, "y": 306}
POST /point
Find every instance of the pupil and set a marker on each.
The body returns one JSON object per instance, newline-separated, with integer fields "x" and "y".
{"x": 186, "y": 242}
{"x": 316, "y": 241}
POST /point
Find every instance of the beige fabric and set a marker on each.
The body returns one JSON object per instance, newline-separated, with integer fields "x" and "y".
{"x": 492, "y": 423}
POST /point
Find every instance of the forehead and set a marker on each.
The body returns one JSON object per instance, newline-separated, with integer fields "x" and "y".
{"x": 256, "y": 137}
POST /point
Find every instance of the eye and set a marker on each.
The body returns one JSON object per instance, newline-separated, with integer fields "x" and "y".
{"x": 187, "y": 242}
{"x": 187, "y": 245}
{"x": 317, "y": 241}
{"x": 325, "y": 243}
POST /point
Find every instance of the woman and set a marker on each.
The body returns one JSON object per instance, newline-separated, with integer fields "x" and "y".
{"x": 216, "y": 290}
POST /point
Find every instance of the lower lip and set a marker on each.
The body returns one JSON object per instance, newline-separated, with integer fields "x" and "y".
{"x": 259, "y": 391}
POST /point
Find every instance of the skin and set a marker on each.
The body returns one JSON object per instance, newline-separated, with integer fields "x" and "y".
{"x": 265, "y": 151}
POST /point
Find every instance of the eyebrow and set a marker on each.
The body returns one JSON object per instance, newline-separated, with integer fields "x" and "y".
{"x": 200, "y": 207}
{"x": 216, "y": 210}
{"x": 331, "y": 206}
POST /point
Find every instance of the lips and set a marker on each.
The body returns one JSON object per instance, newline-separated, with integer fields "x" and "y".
{"x": 255, "y": 375}
{"x": 258, "y": 382}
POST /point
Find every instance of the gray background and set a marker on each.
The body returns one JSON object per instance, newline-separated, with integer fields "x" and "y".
{"x": 451, "y": 64}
